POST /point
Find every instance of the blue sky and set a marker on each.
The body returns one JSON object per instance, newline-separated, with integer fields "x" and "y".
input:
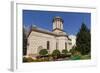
{"x": 43, "y": 19}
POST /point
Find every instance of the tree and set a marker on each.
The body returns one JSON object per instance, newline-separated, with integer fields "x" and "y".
{"x": 24, "y": 42}
{"x": 43, "y": 52}
{"x": 83, "y": 41}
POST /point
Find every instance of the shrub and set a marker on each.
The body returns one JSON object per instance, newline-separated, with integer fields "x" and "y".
{"x": 64, "y": 51}
{"x": 25, "y": 59}
{"x": 76, "y": 55}
{"x": 29, "y": 59}
{"x": 56, "y": 53}
{"x": 43, "y": 52}
{"x": 73, "y": 50}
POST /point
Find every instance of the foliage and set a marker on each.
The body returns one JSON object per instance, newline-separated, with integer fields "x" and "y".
{"x": 86, "y": 57}
{"x": 64, "y": 51}
{"x": 73, "y": 50}
{"x": 43, "y": 52}
{"x": 83, "y": 40}
{"x": 56, "y": 53}
{"x": 29, "y": 59}
{"x": 24, "y": 59}
{"x": 24, "y": 42}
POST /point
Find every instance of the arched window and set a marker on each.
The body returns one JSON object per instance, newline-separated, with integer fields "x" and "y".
{"x": 48, "y": 45}
{"x": 65, "y": 45}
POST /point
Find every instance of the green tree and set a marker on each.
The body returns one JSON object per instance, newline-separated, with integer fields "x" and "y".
{"x": 24, "y": 42}
{"x": 83, "y": 40}
{"x": 43, "y": 52}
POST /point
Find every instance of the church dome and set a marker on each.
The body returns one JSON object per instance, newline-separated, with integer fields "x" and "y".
{"x": 57, "y": 18}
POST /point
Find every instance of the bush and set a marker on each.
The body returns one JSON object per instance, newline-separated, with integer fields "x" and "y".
{"x": 43, "y": 52}
{"x": 25, "y": 59}
{"x": 76, "y": 55}
{"x": 29, "y": 59}
{"x": 56, "y": 53}
{"x": 73, "y": 51}
{"x": 64, "y": 51}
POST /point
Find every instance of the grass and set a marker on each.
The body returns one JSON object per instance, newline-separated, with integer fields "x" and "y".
{"x": 84, "y": 57}
{"x": 80, "y": 57}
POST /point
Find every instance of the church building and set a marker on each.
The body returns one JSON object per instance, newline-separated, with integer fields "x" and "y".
{"x": 39, "y": 38}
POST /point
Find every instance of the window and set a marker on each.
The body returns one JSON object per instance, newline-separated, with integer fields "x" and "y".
{"x": 65, "y": 45}
{"x": 48, "y": 45}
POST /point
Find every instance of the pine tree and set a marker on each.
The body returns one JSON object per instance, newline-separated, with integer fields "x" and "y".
{"x": 83, "y": 40}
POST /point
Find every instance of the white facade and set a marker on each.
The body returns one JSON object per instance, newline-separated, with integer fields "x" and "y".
{"x": 73, "y": 40}
{"x": 43, "y": 39}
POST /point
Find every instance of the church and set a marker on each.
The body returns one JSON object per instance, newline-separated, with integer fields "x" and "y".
{"x": 39, "y": 38}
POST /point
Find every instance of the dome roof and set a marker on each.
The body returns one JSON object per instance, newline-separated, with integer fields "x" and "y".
{"x": 57, "y": 18}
